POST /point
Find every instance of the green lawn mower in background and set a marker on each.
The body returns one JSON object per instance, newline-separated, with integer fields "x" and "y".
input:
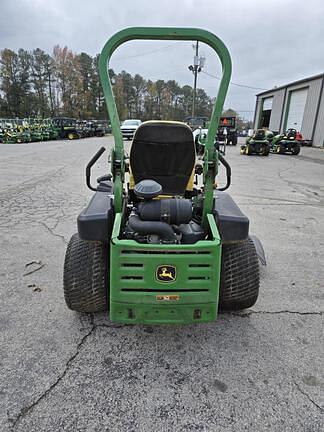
{"x": 23, "y": 131}
{"x": 258, "y": 143}
{"x": 2, "y": 133}
{"x": 36, "y": 134}
{"x": 49, "y": 127}
{"x": 46, "y": 136}
{"x": 286, "y": 143}
{"x": 11, "y": 137}
{"x": 24, "y": 135}
{"x": 10, "y": 132}
{"x": 154, "y": 246}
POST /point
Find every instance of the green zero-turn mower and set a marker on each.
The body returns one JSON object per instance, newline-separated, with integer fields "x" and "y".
{"x": 286, "y": 143}
{"x": 161, "y": 250}
{"x": 258, "y": 143}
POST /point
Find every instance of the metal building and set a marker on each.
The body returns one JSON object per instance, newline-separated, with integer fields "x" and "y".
{"x": 298, "y": 105}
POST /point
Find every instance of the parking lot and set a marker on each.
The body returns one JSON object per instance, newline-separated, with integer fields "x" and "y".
{"x": 256, "y": 370}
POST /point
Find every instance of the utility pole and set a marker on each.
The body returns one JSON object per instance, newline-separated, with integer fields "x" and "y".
{"x": 197, "y": 66}
{"x": 195, "y": 81}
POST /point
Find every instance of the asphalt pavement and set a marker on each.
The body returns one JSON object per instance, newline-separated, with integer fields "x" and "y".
{"x": 256, "y": 370}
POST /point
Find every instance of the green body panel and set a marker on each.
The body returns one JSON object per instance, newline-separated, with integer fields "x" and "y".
{"x": 134, "y": 286}
{"x": 11, "y": 137}
{"x": 53, "y": 133}
{"x": 254, "y": 141}
{"x": 45, "y": 135}
{"x": 166, "y": 33}
{"x": 26, "y": 136}
{"x": 36, "y": 135}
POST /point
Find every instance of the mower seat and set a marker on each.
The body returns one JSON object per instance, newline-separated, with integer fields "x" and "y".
{"x": 259, "y": 135}
{"x": 163, "y": 151}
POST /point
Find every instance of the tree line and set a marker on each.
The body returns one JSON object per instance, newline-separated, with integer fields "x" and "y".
{"x": 36, "y": 84}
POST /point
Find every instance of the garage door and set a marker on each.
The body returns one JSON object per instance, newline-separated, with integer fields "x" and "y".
{"x": 267, "y": 104}
{"x": 296, "y": 109}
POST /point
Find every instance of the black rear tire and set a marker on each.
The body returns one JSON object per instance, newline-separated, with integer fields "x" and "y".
{"x": 296, "y": 150}
{"x": 240, "y": 280}
{"x": 85, "y": 276}
{"x": 266, "y": 151}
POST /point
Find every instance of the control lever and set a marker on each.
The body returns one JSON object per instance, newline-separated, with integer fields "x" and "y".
{"x": 90, "y": 165}
{"x": 228, "y": 172}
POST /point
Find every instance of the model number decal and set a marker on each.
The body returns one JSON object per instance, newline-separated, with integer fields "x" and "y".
{"x": 169, "y": 297}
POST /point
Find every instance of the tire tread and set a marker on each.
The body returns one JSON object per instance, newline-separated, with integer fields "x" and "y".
{"x": 85, "y": 276}
{"x": 239, "y": 285}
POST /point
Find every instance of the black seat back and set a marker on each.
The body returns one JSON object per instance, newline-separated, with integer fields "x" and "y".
{"x": 259, "y": 134}
{"x": 165, "y": 152}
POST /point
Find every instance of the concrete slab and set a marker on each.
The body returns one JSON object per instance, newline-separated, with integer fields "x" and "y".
{"x": 256, "y": 370}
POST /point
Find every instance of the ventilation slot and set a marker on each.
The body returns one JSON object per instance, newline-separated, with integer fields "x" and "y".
{"x": 163, "y": 252}
{"x": 132, "y": 277}
{"x": 179, "y": 291}
{"x": 198, "y": 278}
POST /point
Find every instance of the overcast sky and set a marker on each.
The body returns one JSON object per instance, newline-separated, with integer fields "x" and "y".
{"x": 271, "y": 42}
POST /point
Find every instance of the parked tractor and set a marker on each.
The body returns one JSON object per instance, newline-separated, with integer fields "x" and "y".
{"x": 66, "y": 127}
{"x": 227, "y": 131}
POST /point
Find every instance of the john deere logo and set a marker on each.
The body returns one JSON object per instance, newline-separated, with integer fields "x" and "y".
{"x": 166, "y": 273}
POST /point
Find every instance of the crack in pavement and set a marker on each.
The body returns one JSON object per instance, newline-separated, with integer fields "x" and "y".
{"x": 307, "y": 395}
{"x": 26, "y": 410}
{"x": 49, "y": 176}
{"x": 302, "y": 188}
{"x": 252, "y": 312}
{"x": 50, "y": 230}
{"x": 274, "y": 350}
{"x": 310, "y": 159}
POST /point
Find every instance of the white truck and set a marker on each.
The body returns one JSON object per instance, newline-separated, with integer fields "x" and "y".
{"x": 129, "y": 127}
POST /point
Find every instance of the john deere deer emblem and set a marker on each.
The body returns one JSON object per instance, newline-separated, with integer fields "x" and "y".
{"x": 166, "y": 273}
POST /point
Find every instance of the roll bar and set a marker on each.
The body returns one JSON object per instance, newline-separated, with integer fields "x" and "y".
{"x": 165, "y": 33}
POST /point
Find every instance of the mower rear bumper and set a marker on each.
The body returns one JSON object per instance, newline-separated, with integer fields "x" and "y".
{"x": 258, "y": 146}
{"x": 288, "y": 145}
{"x": 132, "y": 313}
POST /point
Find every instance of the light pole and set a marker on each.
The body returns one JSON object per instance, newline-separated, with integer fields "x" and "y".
{"x": 197, "y": 66}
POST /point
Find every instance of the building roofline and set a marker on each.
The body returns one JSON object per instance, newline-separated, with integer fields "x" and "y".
{"x": 321, "y": 75}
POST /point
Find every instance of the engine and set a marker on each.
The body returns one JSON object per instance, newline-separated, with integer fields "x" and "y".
{"x": 166, "y": 220}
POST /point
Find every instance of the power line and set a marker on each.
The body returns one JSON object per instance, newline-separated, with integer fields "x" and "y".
{"x": 206, "y": 73}
{"x": 144, "y": 53}
{"x": 236, "y": 84}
